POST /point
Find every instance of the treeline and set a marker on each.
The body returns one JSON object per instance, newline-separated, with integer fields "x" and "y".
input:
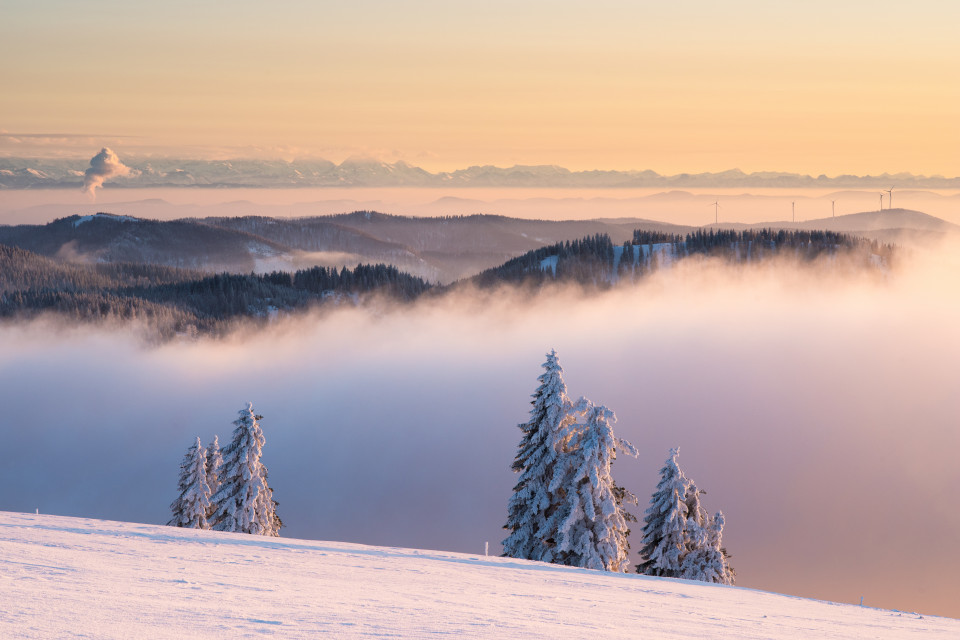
{"x": 596, "y": 261}
{"x": 177, "y": 301}
{"x": 590, "y": 258}
{"x": 225, "y": 296}
{"x": 21, "y": 270}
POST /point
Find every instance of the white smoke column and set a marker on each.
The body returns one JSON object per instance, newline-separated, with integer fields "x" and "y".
{"x": 103, "y": 166}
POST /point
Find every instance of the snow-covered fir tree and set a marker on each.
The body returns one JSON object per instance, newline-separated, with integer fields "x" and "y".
{"x": 706, "y": 559}
{"x": 214, "y": 462}
{"x": 665, "y": 523}
{"x": 192, "y": 506}
{"x": 680, "y": 539}
{"x": 533, "y": 503}
{"x": 244, "y": 502}
{"x": 593, "y": 530}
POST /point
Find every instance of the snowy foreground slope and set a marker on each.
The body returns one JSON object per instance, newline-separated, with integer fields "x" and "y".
{"x": 68, "y": 577}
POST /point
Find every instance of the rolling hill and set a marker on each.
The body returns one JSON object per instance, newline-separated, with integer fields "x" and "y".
{"x": 900, "y": 226}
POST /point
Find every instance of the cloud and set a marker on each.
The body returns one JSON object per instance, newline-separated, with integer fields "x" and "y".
{"x": 103, "y": 166}
{"x": 819, "y": 413}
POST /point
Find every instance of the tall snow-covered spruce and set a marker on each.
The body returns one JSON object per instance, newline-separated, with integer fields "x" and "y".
{"x": 192, "y": 506}
{"x": 566, "y": 507}
{"x": 244, "y": 502}
{"x": 593, "y": 526}
{"x": 533, "y": 503}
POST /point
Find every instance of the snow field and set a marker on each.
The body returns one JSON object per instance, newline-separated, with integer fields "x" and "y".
{"x": 75, "y": 578}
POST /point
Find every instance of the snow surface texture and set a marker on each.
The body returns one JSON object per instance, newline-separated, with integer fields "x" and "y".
{"x": 68, "y": 577}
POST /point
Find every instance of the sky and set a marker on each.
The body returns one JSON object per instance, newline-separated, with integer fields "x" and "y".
{"x": 812, "y": 87}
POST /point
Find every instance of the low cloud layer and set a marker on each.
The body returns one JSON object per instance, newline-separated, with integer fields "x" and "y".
{"x": 104, "y": 166}
{"x": 820, "y": 415}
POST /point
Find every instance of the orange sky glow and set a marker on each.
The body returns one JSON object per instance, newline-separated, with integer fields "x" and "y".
{"x": 807, "y": 87}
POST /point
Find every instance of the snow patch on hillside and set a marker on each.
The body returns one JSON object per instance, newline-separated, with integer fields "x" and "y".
{"x": 103, "y": 216}
{"x": 550, "y": 262}
{"x": 71, "y": 577}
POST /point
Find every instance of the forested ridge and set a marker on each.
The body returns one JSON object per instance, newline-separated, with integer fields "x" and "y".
{"x": 597, "y": 261}
{"x": 172, "y": 300}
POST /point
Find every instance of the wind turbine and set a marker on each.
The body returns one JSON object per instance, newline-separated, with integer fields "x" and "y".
{"x": 716, "y": 212}
{"x": 881, "y": 201}
{"x": 890, "y": 199}
{"x": 793, "y": 209}
{"x": 833, "y": 208}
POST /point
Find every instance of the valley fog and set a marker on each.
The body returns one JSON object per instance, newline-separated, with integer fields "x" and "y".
{"x": 821, "y": 415}
{"x": 683, "y": 205}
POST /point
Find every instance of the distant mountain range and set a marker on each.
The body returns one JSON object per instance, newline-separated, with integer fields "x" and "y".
{"x": 37, "y": 173}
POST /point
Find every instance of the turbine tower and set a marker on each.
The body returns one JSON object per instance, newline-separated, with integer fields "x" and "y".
{"x": 881, "y": 201}
{"x": 890, "y": 199}
{"x": 833, "y": 208}
{"x": 716, "y": 211}
{"x": 793, "y": 210}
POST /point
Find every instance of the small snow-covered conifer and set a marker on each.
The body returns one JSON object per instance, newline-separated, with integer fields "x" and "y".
{"x": 192, "y": 506}
{"x": 716, "y": 539}
{"x": 593, "y": 528}
{"x": 665, "y": 523}
{"x": 532, "y": 502}
{"x": 244, "y": 502}
{"x": 680, "y": 539}
{"x": 706, "y": 559}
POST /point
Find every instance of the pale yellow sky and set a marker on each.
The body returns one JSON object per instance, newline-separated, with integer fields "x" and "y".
{"x": 813, "y": 87}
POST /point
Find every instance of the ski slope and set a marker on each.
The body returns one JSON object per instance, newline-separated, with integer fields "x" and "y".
{"x": 71, "y": 578}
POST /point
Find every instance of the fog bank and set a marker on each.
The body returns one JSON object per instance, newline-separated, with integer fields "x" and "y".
{"x": 820, "y": 415}
{"x": 687, "y": 206}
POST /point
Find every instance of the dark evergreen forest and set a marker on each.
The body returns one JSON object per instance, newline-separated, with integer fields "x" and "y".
{"x": 179, "y": 301}
{"x": 595, "y": 261}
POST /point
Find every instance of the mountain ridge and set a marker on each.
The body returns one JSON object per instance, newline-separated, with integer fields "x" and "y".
{"x": 34, "y": 173}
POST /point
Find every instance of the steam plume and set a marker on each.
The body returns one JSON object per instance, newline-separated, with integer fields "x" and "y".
{"x": 103, "y": 166}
